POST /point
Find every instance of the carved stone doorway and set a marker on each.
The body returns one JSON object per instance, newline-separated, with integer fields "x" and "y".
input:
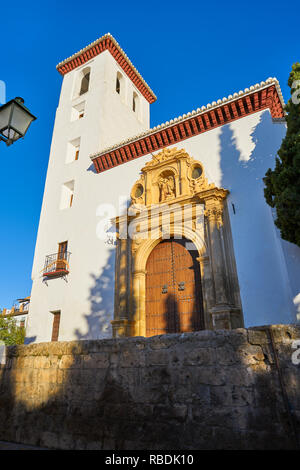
{"x": 173, "y": 199}
{"x": 173, "y": 289}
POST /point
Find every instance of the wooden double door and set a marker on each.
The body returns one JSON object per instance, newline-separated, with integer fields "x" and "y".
{"x": 173, "y": 289}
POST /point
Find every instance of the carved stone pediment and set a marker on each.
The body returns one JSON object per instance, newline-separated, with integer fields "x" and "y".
{"x": 171, "y": 175}
{"x": 164, "y": 155}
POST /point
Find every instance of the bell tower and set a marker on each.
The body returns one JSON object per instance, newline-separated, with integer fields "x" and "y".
{"x": 101, "y": 85}
{"x": 103, "y": 101}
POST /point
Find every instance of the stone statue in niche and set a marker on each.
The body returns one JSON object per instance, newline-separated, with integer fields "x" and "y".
{"x": 166, "y": 188}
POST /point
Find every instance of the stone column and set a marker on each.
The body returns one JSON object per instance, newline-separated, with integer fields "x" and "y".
{"x": 123, "y": 279}
{"x": 139, "y": 302}
{"x": 221, "y": 312}
{"x": 148, "y": 188}
{"x": 183, "y": 177}
{"x": 207, "y": 289}
{"x": 121, "y": 324}
{"x": 213, "y": 213}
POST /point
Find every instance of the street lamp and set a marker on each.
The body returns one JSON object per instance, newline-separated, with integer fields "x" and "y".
{"x": 15, "y": 119}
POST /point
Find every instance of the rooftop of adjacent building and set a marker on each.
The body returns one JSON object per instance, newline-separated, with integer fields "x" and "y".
{"x": 21, "y": 309}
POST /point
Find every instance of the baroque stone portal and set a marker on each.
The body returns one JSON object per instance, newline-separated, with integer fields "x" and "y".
{"x": 172, "y": 199}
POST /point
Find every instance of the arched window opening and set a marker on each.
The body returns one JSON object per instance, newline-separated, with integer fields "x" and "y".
{"x": 85, "y": 81}
{"x": 135, "y": 102}
{"x": 118, "y": 85}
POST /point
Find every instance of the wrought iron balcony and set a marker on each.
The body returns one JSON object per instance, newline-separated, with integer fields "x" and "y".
{"x": 57, "y": 265}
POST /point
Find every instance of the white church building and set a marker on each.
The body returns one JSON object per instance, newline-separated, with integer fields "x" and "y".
{"x": 147, "y": 231}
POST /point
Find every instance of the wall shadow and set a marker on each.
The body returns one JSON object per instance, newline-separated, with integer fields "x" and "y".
{"x": 204, "y": 390}
{"x": 256, "y": 244}
{"x": 182, "y": 309}
{"x": 29, "y": 339}
{"x": 185, "y": 302}
{"x": 101, "y": 300}
{"x": 196, "y": 299}
{"x": 172, "y": 317}
{"x": 92, "y": 168}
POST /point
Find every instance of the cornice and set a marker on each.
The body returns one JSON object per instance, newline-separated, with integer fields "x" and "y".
{"x": 254, "y": 99}
{"x": 107, "y": 42}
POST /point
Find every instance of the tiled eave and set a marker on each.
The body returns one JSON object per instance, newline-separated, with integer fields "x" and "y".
{"x": 267, "y": 95}
{"x": 108, "y": 42}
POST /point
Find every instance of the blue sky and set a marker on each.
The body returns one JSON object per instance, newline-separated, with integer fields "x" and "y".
{"x": 190, "y": 53}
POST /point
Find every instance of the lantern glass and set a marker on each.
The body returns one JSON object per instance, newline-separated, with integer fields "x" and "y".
{"x": 5, "y": 112}
{"x": 21, "y": 119}
{"x": 15, "y": 119}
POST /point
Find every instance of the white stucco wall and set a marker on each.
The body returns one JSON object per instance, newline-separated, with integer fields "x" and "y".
{"x": 107, "y": 119}
{"x": 235, "y": 156}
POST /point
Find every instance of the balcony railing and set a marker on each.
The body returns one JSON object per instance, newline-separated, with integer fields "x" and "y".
{"x": 57, "y": 265}
{"x": 14, "y": 311}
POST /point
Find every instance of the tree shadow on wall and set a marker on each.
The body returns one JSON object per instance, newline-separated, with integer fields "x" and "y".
{"x": 254, "y": 233}
{"x": 92, "y": 168}
{"x": 101, "y": 300}
{"x": 184, "y": 308}
{"x": 172, "y": 317}
{"x": 243, "y": 177}
{"x": 29, "y": 339}
{"x": 183, "y": 315}
{"x": 102, "y": 292}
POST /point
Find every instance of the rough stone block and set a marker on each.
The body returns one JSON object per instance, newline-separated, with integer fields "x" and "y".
{"x": 213, "y": 375}
{"x": 256, "y": 336}
{"x": 198, "y": 356}
{"x": 202, "y": 390}
{"x": 132, "y": 359}
{"x": 250, "y": 354}
{"x": 158, "y": 357}
{"x": 95, "y": 361}
{"x": 221, "y": 395}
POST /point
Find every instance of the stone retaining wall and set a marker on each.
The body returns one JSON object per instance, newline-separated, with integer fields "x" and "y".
{"x": 206, "y": 390}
